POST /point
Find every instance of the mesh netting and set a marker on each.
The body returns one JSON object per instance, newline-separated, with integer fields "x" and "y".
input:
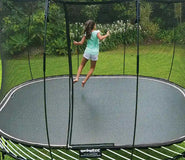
{"x": 161, "y": 53}
{"x": 161, "y": 35}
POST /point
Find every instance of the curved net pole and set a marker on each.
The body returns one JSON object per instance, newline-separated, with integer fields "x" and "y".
{"x": 70, "y": 122}
{"x": 137, "y": 79}
{"x": 172, "y": 61}
{"x": 124, "y": 43}
{"x": 78, "y": 51}
{"x": 44, "y": 72}
{"x": 29, "y": 64}
{"x": 124, "y": 57}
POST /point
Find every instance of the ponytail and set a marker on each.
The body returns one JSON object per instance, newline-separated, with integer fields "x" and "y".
{"x": 89, "y": 25}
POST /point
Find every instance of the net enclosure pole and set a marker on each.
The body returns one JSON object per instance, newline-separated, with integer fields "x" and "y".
{"x": 29, "y": 63}
{"x": 47, "y": 2}
{"x": 174, "y": 45}
{"x": 173, "y": 56}
{"x": 70, "y": 122}
{"x": 137, "y": 77}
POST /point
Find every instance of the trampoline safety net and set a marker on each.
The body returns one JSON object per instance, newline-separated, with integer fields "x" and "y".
{"x": 136, "y": 95}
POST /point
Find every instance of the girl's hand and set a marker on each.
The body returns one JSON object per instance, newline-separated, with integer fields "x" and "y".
{"x": 108, "y": 33}
{"x": 75, "y": 42}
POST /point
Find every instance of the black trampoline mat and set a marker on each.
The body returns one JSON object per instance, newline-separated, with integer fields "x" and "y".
{"x": 104, "y": 112}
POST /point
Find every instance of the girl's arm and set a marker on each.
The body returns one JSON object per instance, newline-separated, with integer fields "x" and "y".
{"x": 80, "y": 42}
{"x": 100, "y": 37}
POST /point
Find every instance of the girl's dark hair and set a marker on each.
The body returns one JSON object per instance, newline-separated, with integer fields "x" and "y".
{"x": 89, "y": 25}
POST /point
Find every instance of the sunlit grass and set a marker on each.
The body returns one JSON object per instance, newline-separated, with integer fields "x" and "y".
{"x": 155, "y": 61}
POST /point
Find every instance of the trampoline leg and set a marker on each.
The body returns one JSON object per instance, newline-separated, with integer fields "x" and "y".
{"x": 3, "y": 155}
{"x": 183, "y": 154}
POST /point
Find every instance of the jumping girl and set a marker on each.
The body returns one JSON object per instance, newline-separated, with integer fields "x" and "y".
{"x": 92, "y": 49}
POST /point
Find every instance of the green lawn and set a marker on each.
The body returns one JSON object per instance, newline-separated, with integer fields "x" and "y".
{"x": 155, "y": 61}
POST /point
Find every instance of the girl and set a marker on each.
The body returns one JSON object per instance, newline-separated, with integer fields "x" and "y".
{"x": 92, "y": 49}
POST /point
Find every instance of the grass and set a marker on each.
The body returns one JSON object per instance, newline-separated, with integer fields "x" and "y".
{"x": 155, "y": 61}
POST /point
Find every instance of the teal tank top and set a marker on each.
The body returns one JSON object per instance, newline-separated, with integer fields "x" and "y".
{"x": 93, "y": 44}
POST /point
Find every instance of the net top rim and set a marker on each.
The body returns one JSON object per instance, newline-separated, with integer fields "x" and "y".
{"x": 91, "y": 2}
{"x": 103, "y": 2}
{"x": 114, "y": 1}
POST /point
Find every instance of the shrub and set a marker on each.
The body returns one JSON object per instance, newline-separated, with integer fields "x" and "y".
{"x": 180, "y": 33}
{"x": 57, "y": 47}
{"x": 121, "y": 33}
{"x": 168, "y": 36}
{"x": 165, "y": 36}
{"x": 149, "y": 28}
{"x": 16, "y": 44}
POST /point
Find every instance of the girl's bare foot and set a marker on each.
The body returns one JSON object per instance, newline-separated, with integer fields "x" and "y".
{"x": 75, "y": 80}
{"x": 83, "y": 83}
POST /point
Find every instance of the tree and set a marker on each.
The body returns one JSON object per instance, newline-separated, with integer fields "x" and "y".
{"x": 149, "y": 28}
{"x": 163, "y": 15}
{"x": 178, "y": 11}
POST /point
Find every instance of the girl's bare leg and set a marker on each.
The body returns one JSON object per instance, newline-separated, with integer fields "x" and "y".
{"x": 83, "y": 62}
{"x": 93, "y": 65}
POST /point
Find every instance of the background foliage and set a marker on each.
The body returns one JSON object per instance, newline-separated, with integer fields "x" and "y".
{"x": 22, "y": 25}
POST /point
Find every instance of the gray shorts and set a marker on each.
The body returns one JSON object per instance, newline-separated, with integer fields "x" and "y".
{"x": 91, "y": 57}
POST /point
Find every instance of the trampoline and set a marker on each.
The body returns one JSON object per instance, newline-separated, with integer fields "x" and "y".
{"x": 135, "y": 99}
{"x": 103, "y": 112}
